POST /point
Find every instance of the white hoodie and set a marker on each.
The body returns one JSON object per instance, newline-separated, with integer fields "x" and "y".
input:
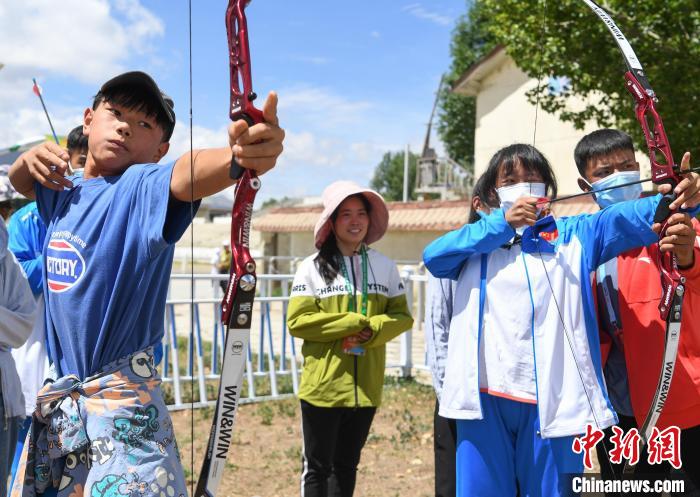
{"x": 17, "y": 312}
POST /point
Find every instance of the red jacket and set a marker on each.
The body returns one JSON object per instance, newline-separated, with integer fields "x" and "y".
{"x": 643, "y": 337}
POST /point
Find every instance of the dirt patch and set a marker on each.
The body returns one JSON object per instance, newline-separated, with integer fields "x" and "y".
{"x": 265, "y": 458}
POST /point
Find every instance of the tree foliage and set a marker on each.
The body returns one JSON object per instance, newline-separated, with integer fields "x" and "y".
{"x": 457, "y": 114}
{"x": 569, "y": 40}
{"x": 388, "y": 176}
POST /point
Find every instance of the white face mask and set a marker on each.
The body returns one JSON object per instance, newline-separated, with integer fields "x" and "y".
{"x": 509, "y": 194}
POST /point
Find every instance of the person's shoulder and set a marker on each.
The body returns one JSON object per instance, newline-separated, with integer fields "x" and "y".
{"x": 377, "y": 256}
{"x": 137, "y": 170}
{"x": 308, "y": 263}
{"x": 26, "y": 212}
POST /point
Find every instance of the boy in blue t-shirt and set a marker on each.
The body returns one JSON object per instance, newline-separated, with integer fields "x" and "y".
{"x": 108, "y": 253}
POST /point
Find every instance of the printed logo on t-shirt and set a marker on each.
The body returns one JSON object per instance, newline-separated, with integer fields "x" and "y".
{"x": 64, "y": 266}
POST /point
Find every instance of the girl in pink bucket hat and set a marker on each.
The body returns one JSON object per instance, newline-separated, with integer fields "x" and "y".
{"x": 347, "y": 302}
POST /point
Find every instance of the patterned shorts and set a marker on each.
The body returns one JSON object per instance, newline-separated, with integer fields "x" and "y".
{"x": 108, "y": 436}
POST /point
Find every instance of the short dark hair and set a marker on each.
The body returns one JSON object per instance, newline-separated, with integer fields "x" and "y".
{"x": 599, "y": 143}
{"x": 76, "y": 139}
{"x": 135, "y": 97}
{"x": 487, "y": 197}
{"x": 512, "y": 155}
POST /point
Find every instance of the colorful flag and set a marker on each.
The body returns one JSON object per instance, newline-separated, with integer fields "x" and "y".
{"x": 36, "y": 89}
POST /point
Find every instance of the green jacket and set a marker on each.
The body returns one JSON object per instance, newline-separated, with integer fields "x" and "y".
{"x": 318, "y": 313}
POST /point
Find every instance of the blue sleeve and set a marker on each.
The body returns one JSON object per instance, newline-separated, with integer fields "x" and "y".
{"x": 615, "y": 229}
{"x": 161, "y": 218}
{"x": 26, "y": 241}
{"x": 445, "y": 256}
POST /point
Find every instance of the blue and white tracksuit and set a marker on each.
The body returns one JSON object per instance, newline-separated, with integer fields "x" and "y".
{"x": 568, "y": 386}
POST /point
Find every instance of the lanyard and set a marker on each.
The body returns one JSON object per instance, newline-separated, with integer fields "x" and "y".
{"x": 350, "y": 287}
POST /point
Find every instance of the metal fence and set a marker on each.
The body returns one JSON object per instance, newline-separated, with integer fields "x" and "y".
{"x": 192, "y": 316}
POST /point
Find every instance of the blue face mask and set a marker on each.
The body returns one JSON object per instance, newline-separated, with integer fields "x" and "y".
{"x": 610, "y": 197}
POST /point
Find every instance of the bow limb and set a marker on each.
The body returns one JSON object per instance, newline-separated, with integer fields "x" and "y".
{"x": 237, "y": 304}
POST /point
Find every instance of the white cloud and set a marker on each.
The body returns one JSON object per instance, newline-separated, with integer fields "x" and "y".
{"x": 417, "y": 10}
{"x": 88, "y": 40}
{"x": 311, "y": 59}
{"x": 202, "y": 137}
{"x": 322, "y": 107}
{"x": 80, "y": 40}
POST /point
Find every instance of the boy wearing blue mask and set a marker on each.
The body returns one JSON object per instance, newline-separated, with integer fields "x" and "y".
{"x": 628, "y": 291}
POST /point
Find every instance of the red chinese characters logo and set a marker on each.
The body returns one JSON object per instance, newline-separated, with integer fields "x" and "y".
{"x": 625, "y": 446}
{"x": 662, "y": 446}
{"x": 586, "y": 443}
{"x": 665, "y": 446}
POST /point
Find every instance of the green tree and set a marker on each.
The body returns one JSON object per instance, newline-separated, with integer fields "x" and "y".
{"x": 457, "y": 113}
{"x": 388, "y": 176}
{"x": 569, "y": 40}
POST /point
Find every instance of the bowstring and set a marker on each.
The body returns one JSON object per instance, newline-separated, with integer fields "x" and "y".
{"x": 572, "y": 349}
{"x": 189, "y": 33}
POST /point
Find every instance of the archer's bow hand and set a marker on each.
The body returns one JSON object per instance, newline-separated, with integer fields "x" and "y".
{"x": 46, "y": 163}
{"x": 257, "y": 147}
{"x": 688, "y": 190}
{"x": 679, "y": 238}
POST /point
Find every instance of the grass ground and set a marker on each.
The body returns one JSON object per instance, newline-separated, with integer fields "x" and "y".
{"x": 265, "y": 457}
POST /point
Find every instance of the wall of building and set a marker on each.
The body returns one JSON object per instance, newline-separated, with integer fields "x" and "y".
{"x": 403, "y": 246}
{"x": 504, "y": 116}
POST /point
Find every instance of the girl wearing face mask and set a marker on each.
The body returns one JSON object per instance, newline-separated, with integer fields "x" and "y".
{"x": 523, "y": 372}
{"x": 347, "y": 302}
{"x": 628, "y": 292}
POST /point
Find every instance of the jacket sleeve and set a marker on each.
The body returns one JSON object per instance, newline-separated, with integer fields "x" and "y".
{"x": 445, "y": 256}
{"x": 17, "y": 304}
{"x": 615, "y": 229}
{"x": 26, "y": 240}
{"x": 397, "y": 317}
{"x": 308, "y": 321}
{"x": 436, "y": 325}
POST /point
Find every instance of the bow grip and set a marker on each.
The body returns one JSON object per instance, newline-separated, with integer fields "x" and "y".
{"x": 662, "y": 210}
{"x": 253, "y": 116}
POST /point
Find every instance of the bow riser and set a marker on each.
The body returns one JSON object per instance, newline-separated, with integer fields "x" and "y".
{"x": 239, "y": 61}
{"x": 656, "y": 140}
{"x": 242, "y": 263}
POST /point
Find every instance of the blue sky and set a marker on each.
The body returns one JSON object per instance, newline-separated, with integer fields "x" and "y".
{"x": 355, "y": 79}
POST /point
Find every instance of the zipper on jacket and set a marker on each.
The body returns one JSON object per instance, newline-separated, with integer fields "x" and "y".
{"x": 354, "y": 289}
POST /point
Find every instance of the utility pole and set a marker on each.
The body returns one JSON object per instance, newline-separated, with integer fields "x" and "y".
{"x": 405, "y": 174}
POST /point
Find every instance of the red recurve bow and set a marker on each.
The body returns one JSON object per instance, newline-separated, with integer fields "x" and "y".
{"x": 237, "y": 305}
{"x": 663, "y": 171}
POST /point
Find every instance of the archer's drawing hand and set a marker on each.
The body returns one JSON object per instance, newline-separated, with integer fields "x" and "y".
{"x": 47, "y": 163}
{"x": 523, "y": 212}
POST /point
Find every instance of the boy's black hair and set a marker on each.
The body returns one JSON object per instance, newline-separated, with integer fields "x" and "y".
{"x": 76, "y": 139}
{"x": 487, "y": 197}
{"x": 136, "y": 97}
{"x": 519, "y": 153}
{"x": 599, "y": 143}
{"x": 327, "y": 258}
